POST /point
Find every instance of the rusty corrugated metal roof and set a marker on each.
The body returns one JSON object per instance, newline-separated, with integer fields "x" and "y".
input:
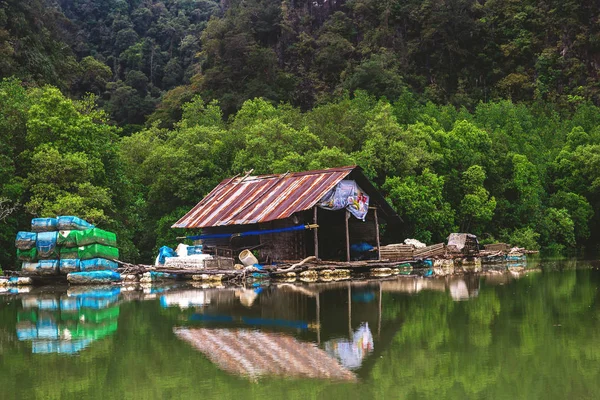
{"x": 262, "y": 198}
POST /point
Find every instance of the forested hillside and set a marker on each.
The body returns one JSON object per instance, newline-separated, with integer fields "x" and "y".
{"x": 478, "y": 116}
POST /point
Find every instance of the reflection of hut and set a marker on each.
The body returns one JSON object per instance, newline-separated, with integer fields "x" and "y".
{"x": 274, "y": 214}
{"x": 256, "y": 354}
{"x": 185, "y": 299}
{"x": 464, "y": 288}
{"x": 413, "y": 285}
{"x": 459, "y": 290}
{"x": 306, "y": 310}
{"x": 351, "y": 352}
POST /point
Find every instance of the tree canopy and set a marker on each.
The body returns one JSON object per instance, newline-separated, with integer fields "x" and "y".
{"x": 475, "y": 116}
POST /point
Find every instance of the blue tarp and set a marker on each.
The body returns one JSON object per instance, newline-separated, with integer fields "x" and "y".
{"x": 70, "y": 223}
{"x": 25, "y": 240}
{"x": 97, "y": 264}
{"x": 193, "y": 250}
{"x": 68, "y": 265}
{"x": 48, "y": 267}
{"x": 46, "y": 244}
{"x": 347, "y": 195}
{"x": 93, "y": 277}
{"x": 165, "y": 252}
{"x": 44, "y": 224}
{"x": 361, "y": 247}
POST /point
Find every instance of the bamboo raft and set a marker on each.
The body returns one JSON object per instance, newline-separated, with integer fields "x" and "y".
{"x": 436, "y": 259}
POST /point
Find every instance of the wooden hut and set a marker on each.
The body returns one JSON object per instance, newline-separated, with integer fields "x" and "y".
{"x": 277, "y": 215}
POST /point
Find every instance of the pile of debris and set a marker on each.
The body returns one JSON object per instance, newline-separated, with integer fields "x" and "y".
{"x": 459, "y": 246}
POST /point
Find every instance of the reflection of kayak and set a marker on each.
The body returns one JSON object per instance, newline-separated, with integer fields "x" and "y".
{"x": 59, "y": 346}
{"x": 69, "y": 323}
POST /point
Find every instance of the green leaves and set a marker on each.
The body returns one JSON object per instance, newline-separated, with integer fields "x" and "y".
{"x": 61, "y": 159}
{"x": 60, "y": 184}
{"x": 476, "y": 206}
{"x": 527, "y": 174}
{"x": 420, "y": 201}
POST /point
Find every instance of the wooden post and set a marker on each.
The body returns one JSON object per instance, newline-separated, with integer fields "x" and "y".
{"x": 316, "y": 233}
{"x": 318, "y": 317}
{"x": 379, "y": 314}
{"x": 377, "y": 234}
{"x": 349, "y": 311}
{"x": 347, "y": 237}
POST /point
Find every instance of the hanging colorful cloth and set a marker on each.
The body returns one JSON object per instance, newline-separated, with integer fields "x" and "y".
{"x": 347, "y": 195}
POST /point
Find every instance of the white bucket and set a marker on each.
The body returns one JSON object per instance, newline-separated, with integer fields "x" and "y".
{"x": 247, "y": 258}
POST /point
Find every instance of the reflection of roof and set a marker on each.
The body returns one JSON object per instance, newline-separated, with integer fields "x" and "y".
{"x": 266, "y": 198}
{"x": 255, "y": 354}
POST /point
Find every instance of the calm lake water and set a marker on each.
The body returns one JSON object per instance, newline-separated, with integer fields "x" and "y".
{"x": 528, "y": 336}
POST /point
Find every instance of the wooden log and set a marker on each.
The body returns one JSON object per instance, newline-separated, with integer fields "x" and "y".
{"x": 201, "y": 271}
{"x": 307, "y": 259}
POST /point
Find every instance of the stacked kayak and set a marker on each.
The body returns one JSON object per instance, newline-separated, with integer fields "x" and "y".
{"x": 65, "y": 245}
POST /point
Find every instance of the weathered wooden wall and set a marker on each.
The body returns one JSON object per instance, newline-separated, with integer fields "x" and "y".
{"x": 284, "y": 245}
{"x": 363, "y": 231}
{"x": 332, "y": 233}
{"x": 297, "y": 245}
{"x": 234, "y": 244}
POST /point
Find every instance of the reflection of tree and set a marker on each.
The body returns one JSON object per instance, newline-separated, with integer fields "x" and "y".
{"x": 537, "y": 337}
{"x": 504, "y": 344}
{"x": 481, "y": 313}
{"x": 427, "y": 321}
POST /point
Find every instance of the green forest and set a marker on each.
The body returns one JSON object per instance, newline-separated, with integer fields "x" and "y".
{"x": 478, "y": 116}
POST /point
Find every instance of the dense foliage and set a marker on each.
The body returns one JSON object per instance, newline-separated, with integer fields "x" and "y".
{"x": 136, "y": 54}
{"x": 471, "y": 116}
{"x": 522, "y": 174}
